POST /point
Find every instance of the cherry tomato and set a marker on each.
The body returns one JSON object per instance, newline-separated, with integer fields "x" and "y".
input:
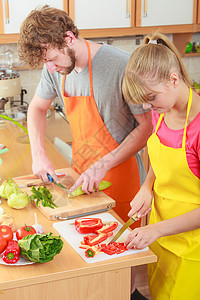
{"x": 6, "y": 232}
{"x": 3, "y": 244}
{"x": 24, "y": 231}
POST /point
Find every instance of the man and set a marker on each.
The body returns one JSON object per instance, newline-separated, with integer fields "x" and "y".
{"x": 107, "y": 131}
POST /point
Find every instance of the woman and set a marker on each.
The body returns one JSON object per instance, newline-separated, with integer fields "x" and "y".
{"x": 156, "y": 77}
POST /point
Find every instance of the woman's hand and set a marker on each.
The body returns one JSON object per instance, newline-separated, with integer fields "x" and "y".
{"x": 142, "y": 237}
{"x": 141, "y": 203}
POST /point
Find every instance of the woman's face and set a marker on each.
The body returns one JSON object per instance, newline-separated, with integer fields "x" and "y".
{"x": 163, "y": 99}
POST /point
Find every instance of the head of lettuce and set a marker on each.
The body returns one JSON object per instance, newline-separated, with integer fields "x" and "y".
{"x": 40, "y": 247}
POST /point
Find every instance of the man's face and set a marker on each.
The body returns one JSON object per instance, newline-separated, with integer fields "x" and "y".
{"x": 62, "y": 61}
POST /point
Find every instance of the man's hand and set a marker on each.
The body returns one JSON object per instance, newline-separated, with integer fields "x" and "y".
{"x": 43, "y": 166}
{"x": 91, "y": 178}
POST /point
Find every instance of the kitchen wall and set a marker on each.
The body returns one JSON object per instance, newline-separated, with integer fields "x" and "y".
{"x": 30, "y": 78}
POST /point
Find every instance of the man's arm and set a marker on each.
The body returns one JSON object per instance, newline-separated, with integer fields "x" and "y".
{"x": 36, "y": 128}
{"x": 133, "y": 143}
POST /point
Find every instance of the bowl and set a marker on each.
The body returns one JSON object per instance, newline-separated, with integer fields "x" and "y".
{"x": 16, "y": 123}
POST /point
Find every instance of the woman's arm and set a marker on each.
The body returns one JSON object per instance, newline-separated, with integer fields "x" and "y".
{"x": 142, "y": 237}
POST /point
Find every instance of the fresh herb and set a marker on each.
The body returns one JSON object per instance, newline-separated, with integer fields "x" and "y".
{"x": 40, "y": 247}
{"x": 43, "y": 196}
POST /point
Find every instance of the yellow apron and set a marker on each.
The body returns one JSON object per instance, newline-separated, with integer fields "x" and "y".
{"x": 176, "y": 275}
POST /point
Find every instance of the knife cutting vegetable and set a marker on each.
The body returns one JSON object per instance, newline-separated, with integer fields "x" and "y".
{"x": 126, "y": 225}
{"x": 78, "y": 191}
{"x": 59, "y": 185}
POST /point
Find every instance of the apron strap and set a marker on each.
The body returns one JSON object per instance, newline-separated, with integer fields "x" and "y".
{"x": 90, "y": 71}
{"x": 159, "y": 121}
{"x": 62, "y": 87}
{"x": 188, "y": 111}
{"x": 90, "y": 68}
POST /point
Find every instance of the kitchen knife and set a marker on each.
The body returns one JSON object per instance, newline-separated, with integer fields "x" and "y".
{"x": 124, "y": 227}
{"x": 33, "y": 184}
{"x": 66, "y": 190}
{"x": 36, "y": 177}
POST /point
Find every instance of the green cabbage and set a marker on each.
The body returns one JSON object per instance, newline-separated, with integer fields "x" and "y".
{"x": 40, "y": 248}
{"x": 7, "y": 188}
{"x": 18, "y": 200}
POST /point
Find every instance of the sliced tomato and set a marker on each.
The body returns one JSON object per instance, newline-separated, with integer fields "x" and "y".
{"x": 6, "y": 232}
{"x": 24, "y": 231}
{"x": 3, "y": 244}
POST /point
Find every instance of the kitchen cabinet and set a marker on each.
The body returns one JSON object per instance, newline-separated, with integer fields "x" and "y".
{"x": 163, "y": 13}
{"x": 198, "y": 12}
{"x": 12, "y": 14}
{"x": 93, "y": 14}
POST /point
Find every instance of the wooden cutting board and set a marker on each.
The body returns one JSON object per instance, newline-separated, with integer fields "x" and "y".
{"x": 69, "y": 208}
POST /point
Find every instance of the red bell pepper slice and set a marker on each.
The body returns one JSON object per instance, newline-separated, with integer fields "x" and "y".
{"x": 88, "y": 225}
{"x": 95, "y": 239}
{"x": 108, "y": 251}
{"x": 113, "y": 248}
{"x": 92, "y": 251}
{"x": 108, "y": 228}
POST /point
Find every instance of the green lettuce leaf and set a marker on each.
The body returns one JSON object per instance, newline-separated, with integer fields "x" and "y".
{"x": 40, "y": 248}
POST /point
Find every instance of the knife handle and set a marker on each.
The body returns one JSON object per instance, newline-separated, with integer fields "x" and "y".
{"x": 134, "y": 217}
{"x": 50, "y": 178}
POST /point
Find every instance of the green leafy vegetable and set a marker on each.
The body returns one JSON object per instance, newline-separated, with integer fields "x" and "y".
{"x": 40, "y": 248}
{"x": 43, "y": 196}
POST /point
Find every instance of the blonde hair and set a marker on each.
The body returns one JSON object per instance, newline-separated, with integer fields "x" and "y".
{"x": 155, "y": 59}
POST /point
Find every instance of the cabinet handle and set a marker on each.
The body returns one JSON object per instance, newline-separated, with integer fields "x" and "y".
{"x": 128, "y": 7}
{"x": 145, "y": 9}
{"x": 7, "y": 12}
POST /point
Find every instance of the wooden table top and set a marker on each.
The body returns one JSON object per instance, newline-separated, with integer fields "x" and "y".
{"x": 17, "y": 162}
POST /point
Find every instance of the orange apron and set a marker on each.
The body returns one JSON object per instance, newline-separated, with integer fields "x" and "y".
{"x": 176, "y": 191}
{"x": 92, "y": 141}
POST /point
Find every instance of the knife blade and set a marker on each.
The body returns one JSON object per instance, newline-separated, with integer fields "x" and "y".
{"x": 124, "y": 227}
{"x": 60, "y": 185}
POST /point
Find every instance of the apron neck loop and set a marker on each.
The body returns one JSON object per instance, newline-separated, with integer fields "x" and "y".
{"x": 90, "y": 68}
{"x": 188, "y": 111}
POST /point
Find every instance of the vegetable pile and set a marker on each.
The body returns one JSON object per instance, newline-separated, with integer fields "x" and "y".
{"x": 92, "y": 243}
{"x": 40, "y": 248}
{"x": 30, "y": 245}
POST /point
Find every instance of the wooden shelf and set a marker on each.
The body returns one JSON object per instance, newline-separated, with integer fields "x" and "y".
{"x": 192, "y": 54}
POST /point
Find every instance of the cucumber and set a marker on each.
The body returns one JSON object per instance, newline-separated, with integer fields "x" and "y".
{"x": 78, "y": 191}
